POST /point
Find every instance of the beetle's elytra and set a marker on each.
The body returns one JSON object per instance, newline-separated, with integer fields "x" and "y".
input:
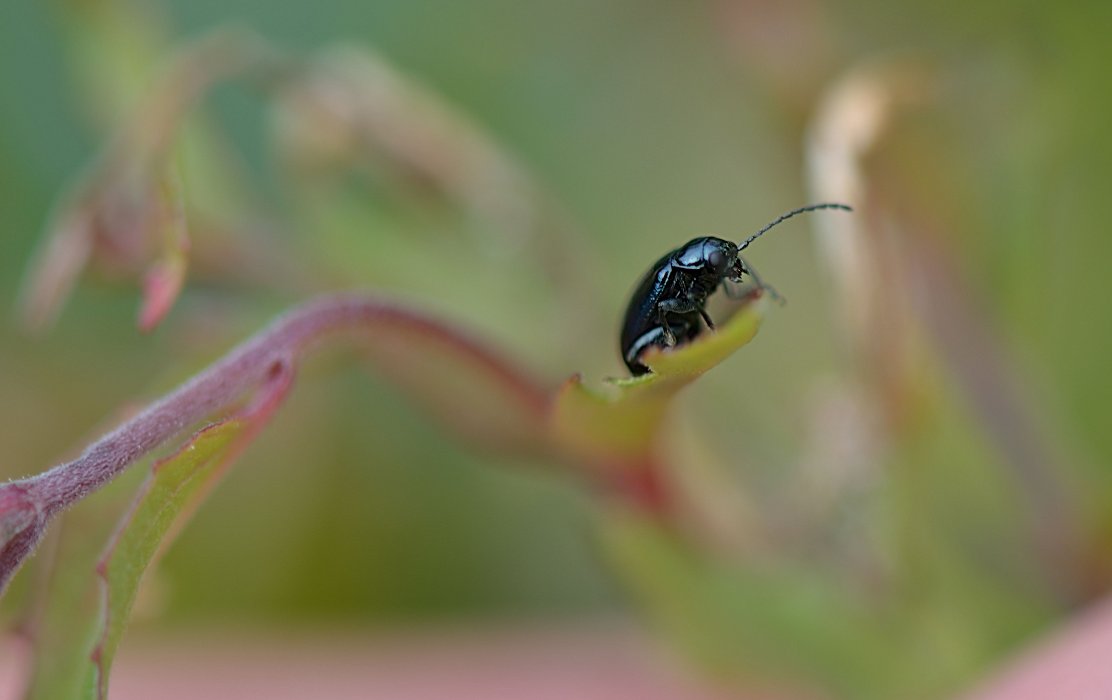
{"x": 669, "y": 305}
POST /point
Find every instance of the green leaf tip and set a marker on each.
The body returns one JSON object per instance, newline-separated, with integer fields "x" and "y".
{"x": 693, "y": 359}
{"x": 621, "y": 425}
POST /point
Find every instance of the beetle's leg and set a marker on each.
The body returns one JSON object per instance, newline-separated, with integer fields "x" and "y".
{"x": 662, "y": 319}
{"x": 739, "y": 291}
{"x": 673, "y": 306}
{"x": 662, "y": 311}
{"x": 706, "y": 318}
{"x": 733, "y": 289}
{"x": 747, "y": 269}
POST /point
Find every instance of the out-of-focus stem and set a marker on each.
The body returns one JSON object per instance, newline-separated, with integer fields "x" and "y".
{"x": 273, "y": 351}
{"x": 896, "y": 287}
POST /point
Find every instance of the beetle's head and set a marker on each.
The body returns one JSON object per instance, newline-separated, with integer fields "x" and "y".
{"x": 720, "y": 257}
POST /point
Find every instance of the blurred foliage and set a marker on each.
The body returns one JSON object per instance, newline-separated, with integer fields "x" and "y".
{"x": 637, "y": 126}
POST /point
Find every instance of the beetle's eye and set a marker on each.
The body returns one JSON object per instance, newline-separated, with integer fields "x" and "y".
{"x": 717, "y": 259}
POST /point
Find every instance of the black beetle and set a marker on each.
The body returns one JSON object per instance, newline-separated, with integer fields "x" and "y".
{"x": 668, "y": 304}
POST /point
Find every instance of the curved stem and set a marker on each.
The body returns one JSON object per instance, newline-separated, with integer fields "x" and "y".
{"x": 219, "y": 387}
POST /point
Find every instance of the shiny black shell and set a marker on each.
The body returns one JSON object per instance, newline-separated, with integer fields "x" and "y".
{"x": 689, "y": 274}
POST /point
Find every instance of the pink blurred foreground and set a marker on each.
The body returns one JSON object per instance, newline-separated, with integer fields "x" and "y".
{"x": 593, "y": 663}
{"x": 582, "y": 663}
{"x": 1073, "y": 663}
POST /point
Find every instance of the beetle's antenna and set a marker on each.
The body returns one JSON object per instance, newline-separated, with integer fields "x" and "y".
{"x": 744, "y": 244}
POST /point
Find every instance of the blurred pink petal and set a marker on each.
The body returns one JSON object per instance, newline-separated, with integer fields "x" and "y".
{"x": 62, "y": 256}
{"x": 161, "y": 287}
{"x": 1074, "y": 663}
{"x": 164, "y": 279}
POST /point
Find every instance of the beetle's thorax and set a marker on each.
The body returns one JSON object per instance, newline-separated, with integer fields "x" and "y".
{"x": 704, "y": 262}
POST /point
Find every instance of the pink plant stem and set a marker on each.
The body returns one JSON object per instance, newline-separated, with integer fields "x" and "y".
{"x": 248, "y": 366}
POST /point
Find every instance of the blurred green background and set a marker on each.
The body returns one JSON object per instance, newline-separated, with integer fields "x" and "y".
{"x": 645, "y": 124}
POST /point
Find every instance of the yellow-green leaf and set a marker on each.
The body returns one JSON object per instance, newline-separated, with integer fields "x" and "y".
{"x": 165, "y": 500}
{"x": 622, "y": 424}
{"x": 91, "y": 621}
